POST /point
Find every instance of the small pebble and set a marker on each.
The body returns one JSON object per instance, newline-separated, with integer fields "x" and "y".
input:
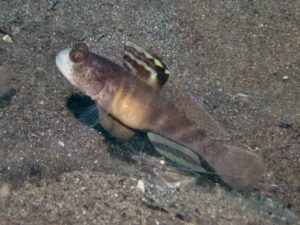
{"x": 5, "y": 190}
{"x": 7, "y": 38}
{"x": 141, "y": 186}
{"x": 285, "y": 78}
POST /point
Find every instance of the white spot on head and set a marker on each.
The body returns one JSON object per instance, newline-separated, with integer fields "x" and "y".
{"x": 65, "y": 65}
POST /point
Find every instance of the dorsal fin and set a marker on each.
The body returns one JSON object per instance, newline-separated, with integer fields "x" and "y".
{"x": 195, "y": 112}
{"x": 143, "y": 63}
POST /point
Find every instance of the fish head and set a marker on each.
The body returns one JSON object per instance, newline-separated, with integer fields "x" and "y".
{"x": 84, "y": 69}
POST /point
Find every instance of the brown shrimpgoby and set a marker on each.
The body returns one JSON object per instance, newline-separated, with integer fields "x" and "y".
{"x": 127, "y": 101}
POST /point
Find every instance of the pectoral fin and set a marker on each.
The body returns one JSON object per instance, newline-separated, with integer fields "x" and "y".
{"x": 143, "y": 63}
{"x": 113, "y": 126}
{"x": 93, "y": 115}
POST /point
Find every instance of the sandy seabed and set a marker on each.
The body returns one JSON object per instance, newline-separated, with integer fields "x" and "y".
{"x": 240, "y": 59}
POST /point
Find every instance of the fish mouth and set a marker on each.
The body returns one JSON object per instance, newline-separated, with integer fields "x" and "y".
{"x": 65, "y": 65}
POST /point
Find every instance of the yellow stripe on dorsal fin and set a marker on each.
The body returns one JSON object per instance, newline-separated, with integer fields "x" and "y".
{"x": 143, "y": 63}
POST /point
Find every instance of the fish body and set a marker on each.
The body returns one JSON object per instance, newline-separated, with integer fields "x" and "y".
{"x": 131, "y": 97}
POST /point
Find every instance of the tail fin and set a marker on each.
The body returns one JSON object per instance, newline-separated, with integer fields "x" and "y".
{"x": 239, "y": 168}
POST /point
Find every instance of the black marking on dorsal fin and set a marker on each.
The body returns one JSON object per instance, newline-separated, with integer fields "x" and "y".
{"x": 143, "y": 63}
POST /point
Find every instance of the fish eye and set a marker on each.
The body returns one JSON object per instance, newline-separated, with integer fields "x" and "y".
{"x": 82, "y": 47}
{"x": 76, "y": 56}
